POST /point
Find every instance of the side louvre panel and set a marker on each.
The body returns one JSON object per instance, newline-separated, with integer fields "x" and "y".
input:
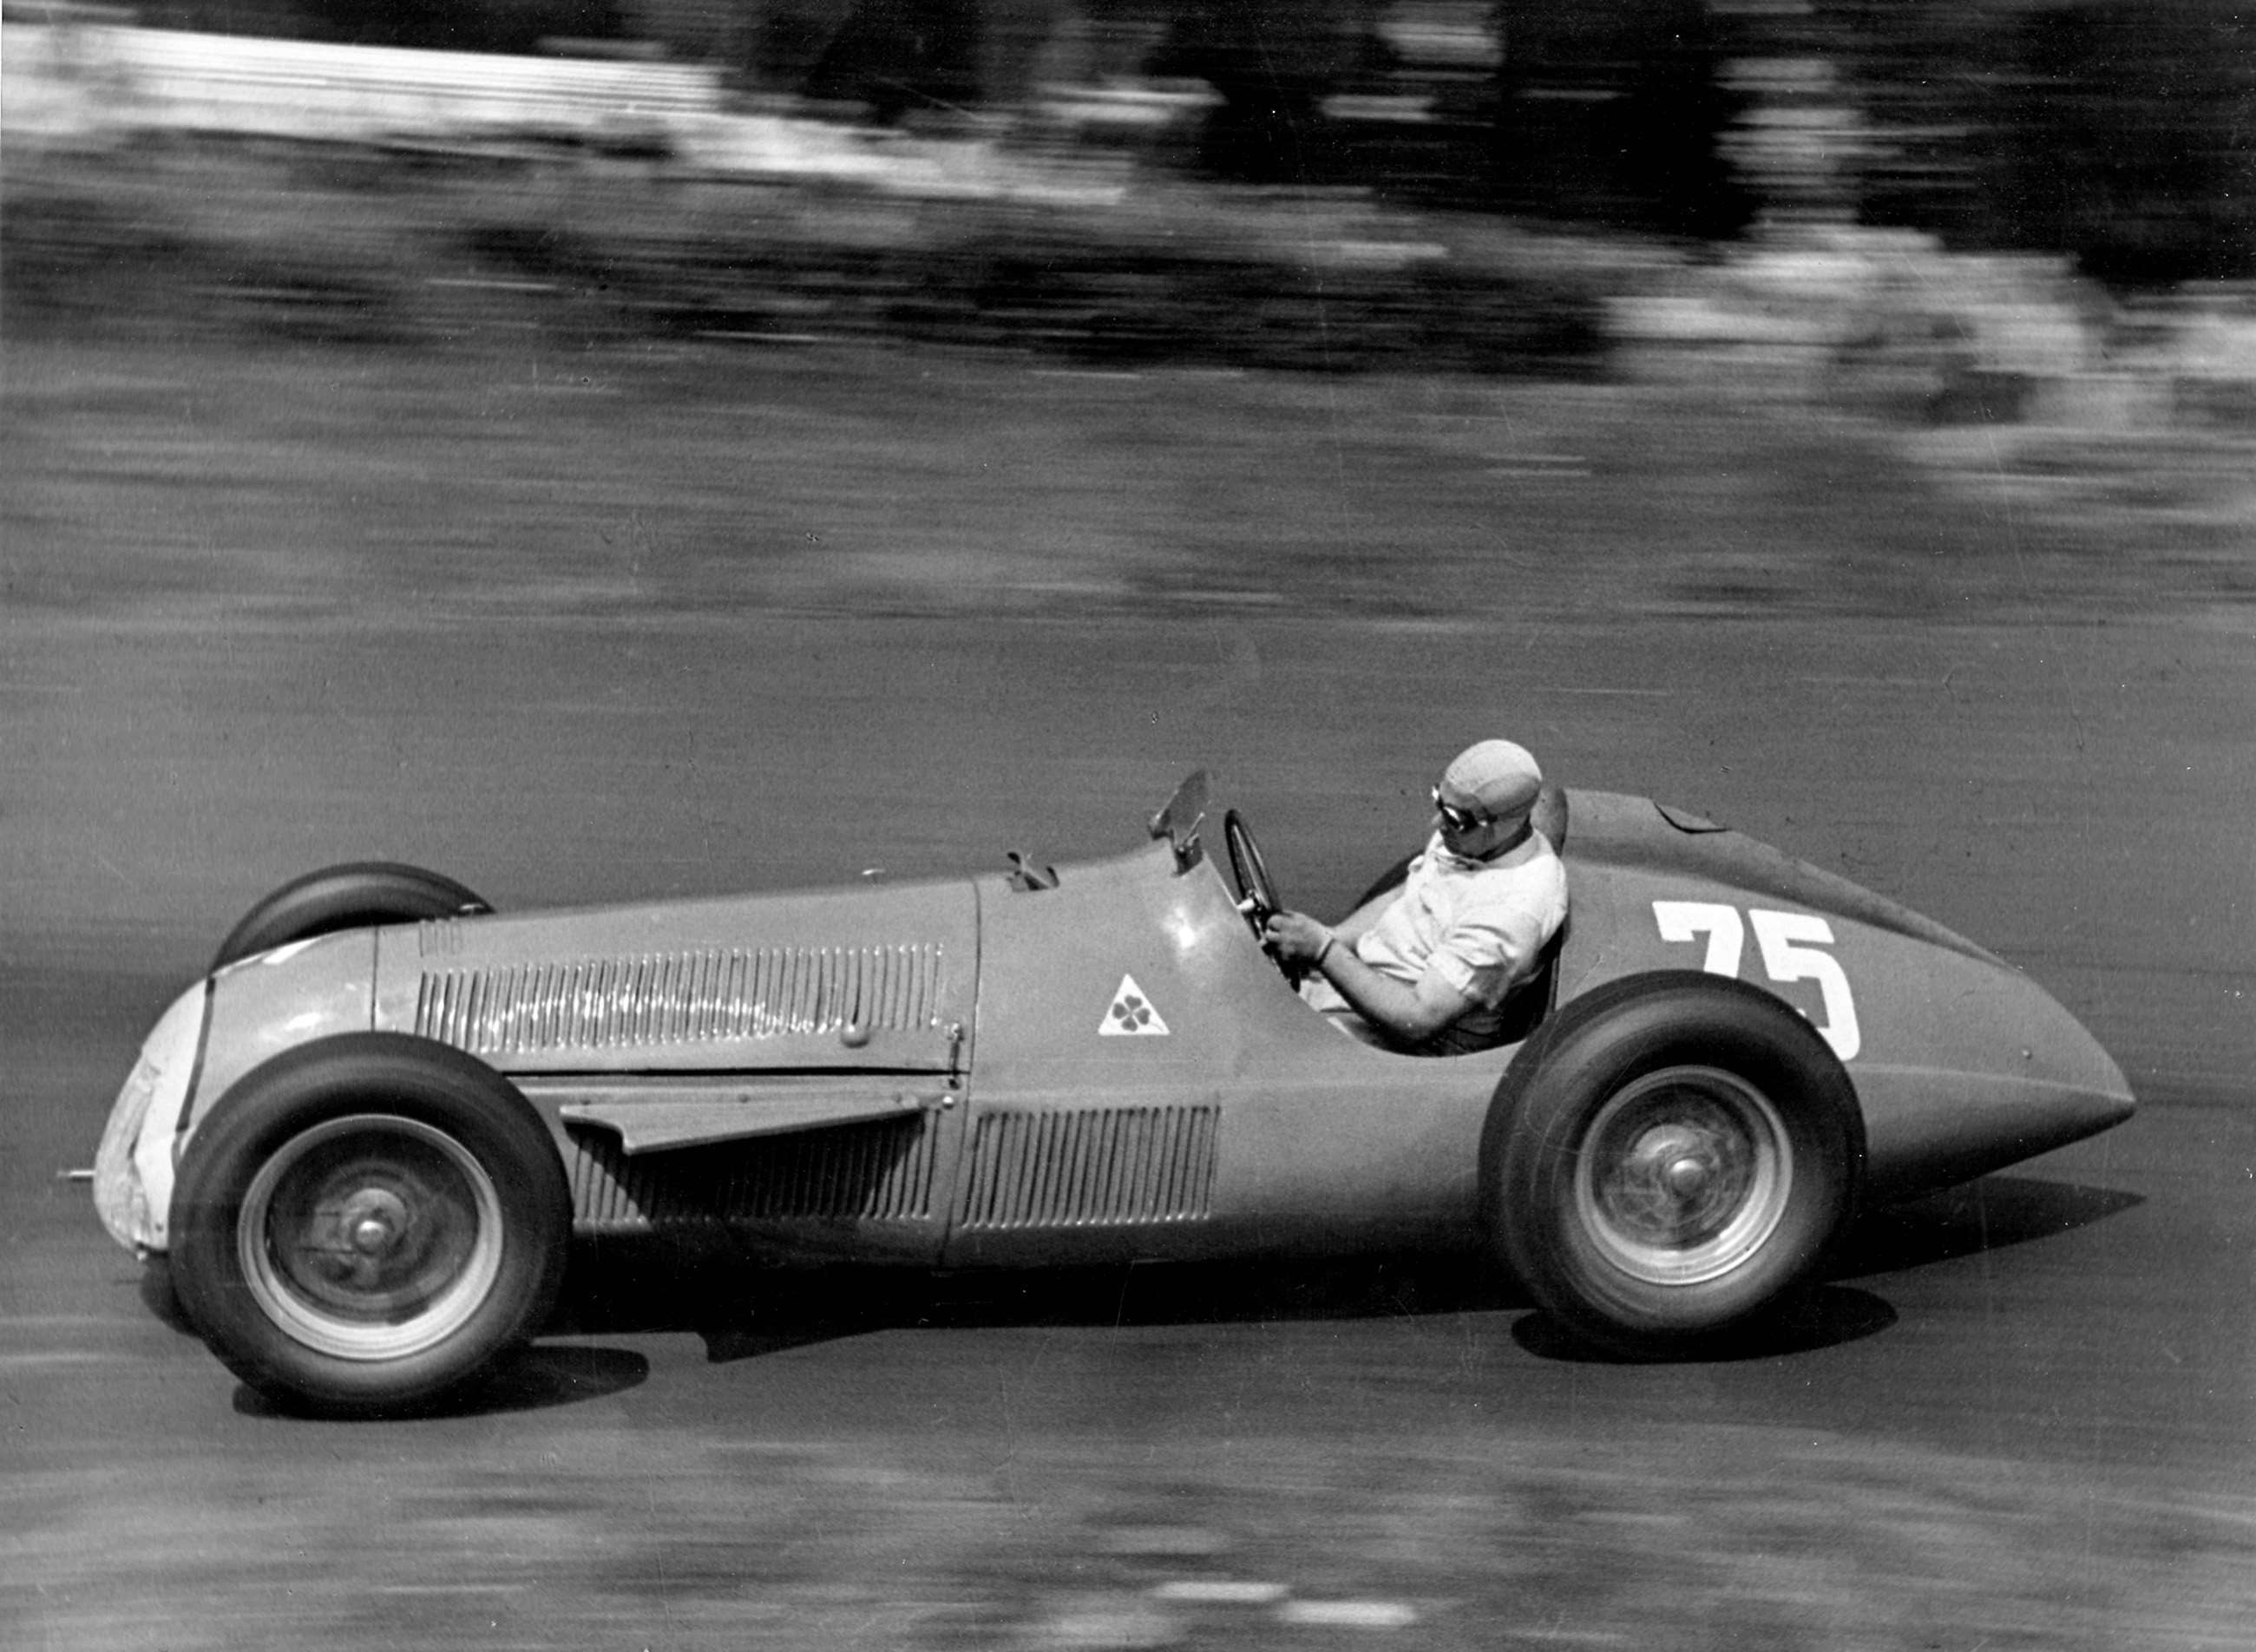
{"x": 682, "y": 998}
{"x": 876, "y": 978}
{"x": 1109, "y": 1168}
{"x": 868, "y": 1173}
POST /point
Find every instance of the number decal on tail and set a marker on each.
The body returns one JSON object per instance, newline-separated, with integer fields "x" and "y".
{"x": 1788, "y": 942}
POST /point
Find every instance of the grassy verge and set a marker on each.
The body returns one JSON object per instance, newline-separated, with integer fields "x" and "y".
{"x": 600, "y": 380}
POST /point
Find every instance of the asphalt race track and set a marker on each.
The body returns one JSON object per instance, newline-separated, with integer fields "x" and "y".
{"x": 2022, "y": 1415}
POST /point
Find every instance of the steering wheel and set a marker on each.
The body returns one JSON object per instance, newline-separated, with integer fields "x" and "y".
{"x": 1257, "y": 891}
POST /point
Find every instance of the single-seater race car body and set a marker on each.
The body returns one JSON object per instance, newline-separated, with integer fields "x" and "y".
{"x": 365, "y": 1141}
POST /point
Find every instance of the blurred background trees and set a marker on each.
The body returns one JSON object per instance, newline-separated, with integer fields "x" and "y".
{"x": 2121, "y": 133}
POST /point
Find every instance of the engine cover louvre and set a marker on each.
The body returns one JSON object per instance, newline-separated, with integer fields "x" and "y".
{"x": 1116, "y": 1166}
{"x": 871, "y": 1173}
{"x": 712, "y": 995}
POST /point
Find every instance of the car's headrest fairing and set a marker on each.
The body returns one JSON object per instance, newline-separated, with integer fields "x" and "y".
{"x": 1550, "y": 816}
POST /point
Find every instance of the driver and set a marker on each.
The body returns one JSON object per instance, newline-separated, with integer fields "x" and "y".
{"x": 1427, "y": 967}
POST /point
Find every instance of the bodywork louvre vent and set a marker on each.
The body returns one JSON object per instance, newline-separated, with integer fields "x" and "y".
{"x": 871, "y": 1173}
{"x": 1112, "y": 1166}
{"x": 709, "y": 996}
{"x": 438, "y": 937}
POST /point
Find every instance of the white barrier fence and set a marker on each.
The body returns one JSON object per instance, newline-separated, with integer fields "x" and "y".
{"x": 90, "y": 82}
{"x": 86, "y": 79}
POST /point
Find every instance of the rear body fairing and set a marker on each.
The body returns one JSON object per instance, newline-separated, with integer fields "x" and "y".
{"x": 1960, "y": 1062}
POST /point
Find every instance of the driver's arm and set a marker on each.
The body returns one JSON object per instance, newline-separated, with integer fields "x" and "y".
{"x": 1413, "y": 1011}
{"x": 1357, "y": 923}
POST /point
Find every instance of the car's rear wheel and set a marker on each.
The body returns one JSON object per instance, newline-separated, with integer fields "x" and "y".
{"x": 352, "y": 896}
{"x": 367, "y": 1223}
{"x": 1670, "y": 1157}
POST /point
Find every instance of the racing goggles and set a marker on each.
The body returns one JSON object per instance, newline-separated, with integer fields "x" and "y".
{"x": 1458, "y": 820}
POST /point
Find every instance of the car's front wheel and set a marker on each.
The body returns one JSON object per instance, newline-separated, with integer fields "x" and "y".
{"x": 1670, "y": 1156}
{"x": 367, "y": 1222}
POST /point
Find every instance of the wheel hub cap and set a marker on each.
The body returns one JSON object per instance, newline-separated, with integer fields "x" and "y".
{"x": 1676, "y": 1161}
{"x": 1685, "y": 1173}
{"x": 370, "y": 1236}
{"x": 374, "y": 1220}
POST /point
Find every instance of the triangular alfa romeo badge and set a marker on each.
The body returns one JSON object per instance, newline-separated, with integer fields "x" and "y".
{"x": 1131, "y": 1014}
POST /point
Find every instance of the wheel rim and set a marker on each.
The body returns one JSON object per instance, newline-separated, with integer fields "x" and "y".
{"x": 1684, "y": 1175}
{"x": 370, "y": 1236}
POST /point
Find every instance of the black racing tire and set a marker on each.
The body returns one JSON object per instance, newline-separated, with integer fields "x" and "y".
{"x": 352, "y": 896}
{"x": 367, "y": 1222}
{"x": 1670, "y": 1157}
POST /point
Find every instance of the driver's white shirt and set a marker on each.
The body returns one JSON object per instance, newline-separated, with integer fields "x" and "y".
{"x": 1480, "y": 926}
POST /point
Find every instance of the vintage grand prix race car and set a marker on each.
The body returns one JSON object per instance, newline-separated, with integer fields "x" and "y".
{"x": 366, "y": 1140}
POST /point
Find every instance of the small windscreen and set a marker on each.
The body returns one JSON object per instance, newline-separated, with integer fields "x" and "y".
{"x": 1179, "y": 822}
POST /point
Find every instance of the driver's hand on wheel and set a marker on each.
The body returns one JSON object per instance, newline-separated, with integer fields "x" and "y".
{"x": 1296, "y": 940}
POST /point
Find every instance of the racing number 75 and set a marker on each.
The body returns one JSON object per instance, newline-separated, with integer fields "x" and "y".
{"x": 1783, "y": 938}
